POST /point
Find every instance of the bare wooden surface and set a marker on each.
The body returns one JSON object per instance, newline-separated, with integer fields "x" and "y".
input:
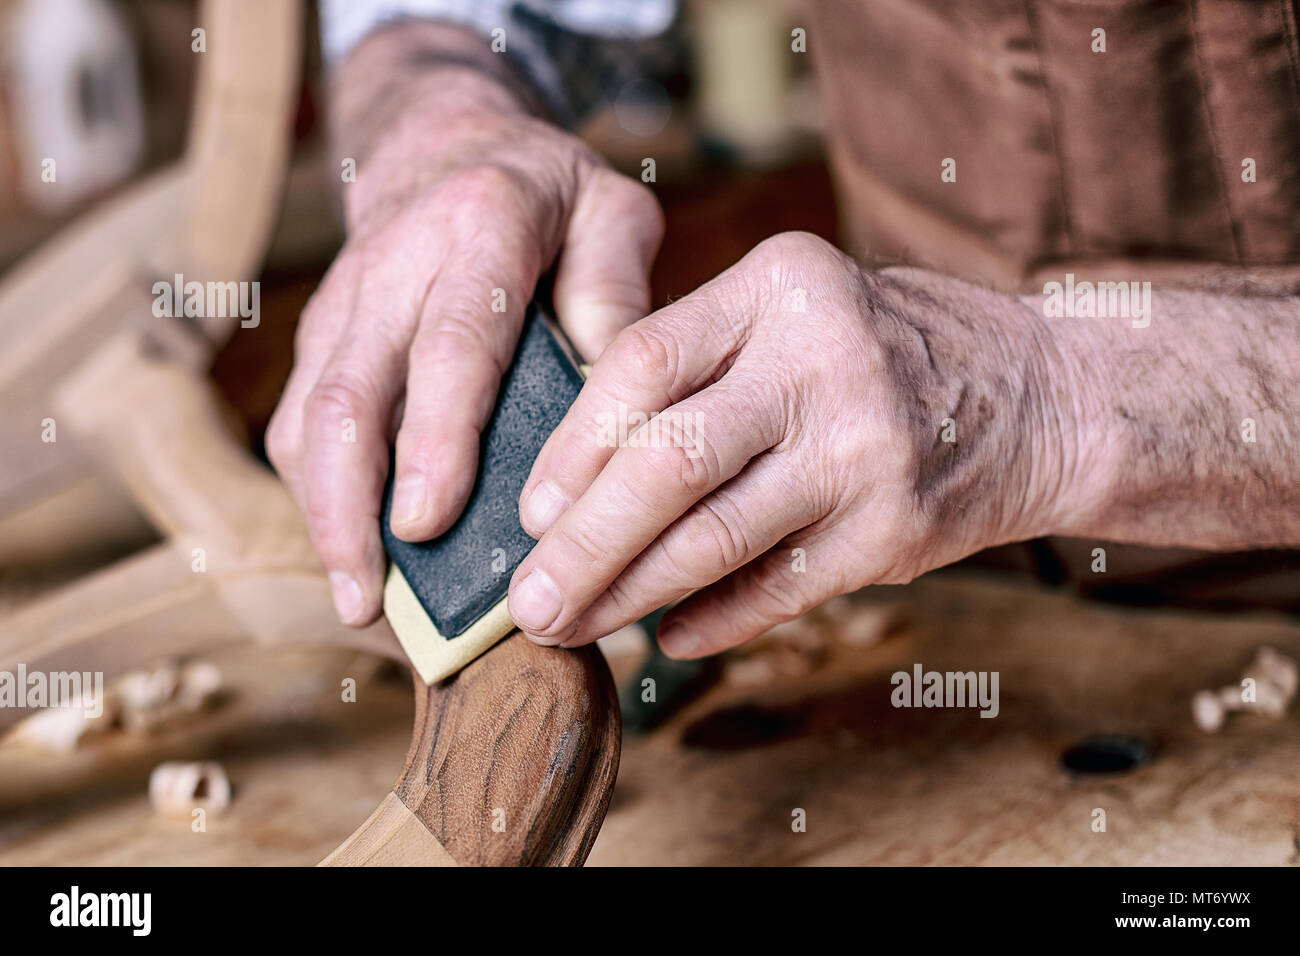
{"x": 718, "y": 783}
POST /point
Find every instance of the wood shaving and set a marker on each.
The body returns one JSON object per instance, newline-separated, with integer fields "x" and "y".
{"x": 140, "y": 701}
{"x": 1275, "y": 678}
{"x": 178, "y": 788}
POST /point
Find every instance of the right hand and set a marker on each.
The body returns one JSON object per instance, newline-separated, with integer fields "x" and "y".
{"x": 460, "y": 206}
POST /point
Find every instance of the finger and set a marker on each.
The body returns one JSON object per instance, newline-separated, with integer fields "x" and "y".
{"x": 348, "y": 417}
{"x": 764, "y": 593}
{"x": 323, "y": 319}
{"x": 650, "y": 365}
{"x": 460, "y": 352}
{"x": 602, "y": 280}
{"x": 667, "y": 466}
{"x": 724, "y": 531}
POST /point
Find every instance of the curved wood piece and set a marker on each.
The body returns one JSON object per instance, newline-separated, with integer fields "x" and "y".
{"x": 512, "y": 763}
{"x": 240, "y": 138}
{"x": 209, "y": 215}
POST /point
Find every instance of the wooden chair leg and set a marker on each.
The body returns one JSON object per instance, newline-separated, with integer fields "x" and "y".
{"x": 512, "y": 763}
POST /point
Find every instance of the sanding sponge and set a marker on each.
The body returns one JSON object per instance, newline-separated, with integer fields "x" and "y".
{"x": 446, "y": 598}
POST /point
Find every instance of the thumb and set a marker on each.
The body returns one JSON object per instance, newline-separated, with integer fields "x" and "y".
{"x": 602, "y": 281}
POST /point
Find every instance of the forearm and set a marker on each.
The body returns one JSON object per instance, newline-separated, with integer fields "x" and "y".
{"x": 1190, "y": 426}
{"x": 417, "y": 60}
{"x": 984, "y": 388}
{"x": 1183, "y": 430}
{"x": 412, "y": 99}
{"x": 419, "y": 72}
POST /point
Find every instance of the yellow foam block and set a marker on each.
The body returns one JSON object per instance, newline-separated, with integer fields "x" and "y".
{"x": 434, "y": 656}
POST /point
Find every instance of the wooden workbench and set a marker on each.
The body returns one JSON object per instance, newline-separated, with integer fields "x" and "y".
{"x": 719, "y": 782}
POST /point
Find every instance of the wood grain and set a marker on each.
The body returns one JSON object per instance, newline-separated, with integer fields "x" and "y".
{"x": 477, "y": 746}
{"x": 392, "y": 836}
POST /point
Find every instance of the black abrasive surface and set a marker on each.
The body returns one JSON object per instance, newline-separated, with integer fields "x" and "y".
{"x": 453, "y": 576}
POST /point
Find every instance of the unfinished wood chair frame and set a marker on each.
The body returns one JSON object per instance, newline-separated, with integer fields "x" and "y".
{"x": 512, "y": 761}
{"x": 209, "y": 215}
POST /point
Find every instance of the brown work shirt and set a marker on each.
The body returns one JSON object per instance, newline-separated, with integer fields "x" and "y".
{"x": 1082, "y": 134}
{"x": 1011, "y": 141}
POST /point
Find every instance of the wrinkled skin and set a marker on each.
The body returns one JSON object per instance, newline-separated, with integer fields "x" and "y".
{"x": 819, "y": 389}
{"x": 446, "y": 221}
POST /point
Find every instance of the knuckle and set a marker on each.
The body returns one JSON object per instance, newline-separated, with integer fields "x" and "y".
{"x": 646, "y": 355}
{"x": 717, "y": 537}
{"x": 335, "y": 552}
{"x": 796, "y": 244}
{"x": 283, "y": 446}
{"x": 456, "y": 342}
{"x": 495, "y": 210}
{"x": 685, "y": 463}
{"x": 374, "y": 251}
{"x": 622, "y": 599}
{"x": 340, "y": 533}
{"x": 779, "y": 596}
{"x": 492, "y": 200}
{"x": 819, "y": 250}
{"x": 579, "y": 546}
{"x": 485, "y": 185}
{"x": 676, "y": 559}
{"x": 794, "y": 260}
{"x": 323, "y": 527}
{"x": 637, "y": 201}
{"x": 316, "y": 332}
{"x": 332, "y": 401}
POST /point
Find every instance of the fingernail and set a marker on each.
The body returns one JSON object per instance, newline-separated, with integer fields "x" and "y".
{"x": 535, "y": 603}
{"x": 678, "y": 640}
{"x": 410, "y": 499}
{"x": 543, "y": 505}
{"x": 347, "y": 597}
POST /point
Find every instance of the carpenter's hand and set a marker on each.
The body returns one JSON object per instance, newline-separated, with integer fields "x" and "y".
{"x": 826, "y": 428}
{"x": 454, "y": 215}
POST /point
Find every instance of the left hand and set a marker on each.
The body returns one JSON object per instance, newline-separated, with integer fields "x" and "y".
{"x": 854, "y": 427}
